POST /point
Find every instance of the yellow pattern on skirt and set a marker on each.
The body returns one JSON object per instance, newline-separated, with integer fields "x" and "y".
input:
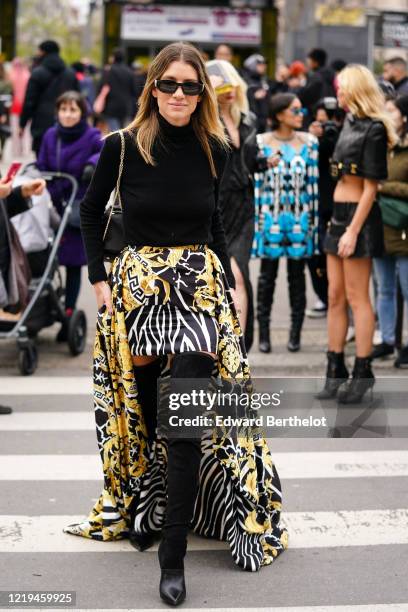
{"x": 239, "y": 497}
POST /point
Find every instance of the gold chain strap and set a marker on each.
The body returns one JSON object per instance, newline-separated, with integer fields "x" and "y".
{"x": 117, "y": 189}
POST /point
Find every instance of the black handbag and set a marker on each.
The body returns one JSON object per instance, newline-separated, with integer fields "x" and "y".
{"x": 113, "y": 236}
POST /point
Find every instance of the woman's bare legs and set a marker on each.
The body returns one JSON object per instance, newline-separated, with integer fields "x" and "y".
{"x": 337, "y": 317}
{"x": 357, "y": 273}
{"x": 240, "y": 295}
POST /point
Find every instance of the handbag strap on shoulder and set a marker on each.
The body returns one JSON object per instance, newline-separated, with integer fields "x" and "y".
{"x": 117, "y": 188}
{"x": 122, "y": 157}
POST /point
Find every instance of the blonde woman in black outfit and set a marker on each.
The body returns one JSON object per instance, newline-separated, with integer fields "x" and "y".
{"x": 355, "y": 232}
{"x": 167, "y": 310}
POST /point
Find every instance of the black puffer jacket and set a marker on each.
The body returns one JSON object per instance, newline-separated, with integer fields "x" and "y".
{"x": 48, "y": 81}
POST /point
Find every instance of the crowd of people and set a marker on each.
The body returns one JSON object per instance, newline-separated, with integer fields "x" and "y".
{"x": 212, "y": 165}
{"x": 277, "y": 194}
{"x": 263, "y": 119}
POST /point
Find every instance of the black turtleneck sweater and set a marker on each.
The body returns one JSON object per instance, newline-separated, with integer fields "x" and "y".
{"x": 169, "y": 204}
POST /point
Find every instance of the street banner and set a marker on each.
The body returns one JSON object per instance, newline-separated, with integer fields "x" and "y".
{"x": 340, "y": 16}
{"x": 196, "y": 24}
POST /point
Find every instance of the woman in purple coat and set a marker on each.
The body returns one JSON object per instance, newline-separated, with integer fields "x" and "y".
{"x": 71, "y": 146}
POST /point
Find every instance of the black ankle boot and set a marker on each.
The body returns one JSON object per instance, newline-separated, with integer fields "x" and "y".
{"x": 336, "y": 374}
{"x": 363, "y": 379}
{"x": 146, "y": 379}
{"x": 264, "y": 338}
{"x": 184, "y": 456}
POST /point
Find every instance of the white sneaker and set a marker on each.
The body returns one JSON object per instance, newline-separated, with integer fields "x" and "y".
{"x": 351, "y": 334}
{"x": 318, "y": 311}
{"x": 377, "y": 339}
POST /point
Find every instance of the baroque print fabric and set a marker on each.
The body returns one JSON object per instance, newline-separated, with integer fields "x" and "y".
{"x": 239, "y": 496}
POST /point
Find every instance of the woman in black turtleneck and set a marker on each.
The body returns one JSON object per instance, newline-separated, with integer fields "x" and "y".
{"x": 166, "y": 309}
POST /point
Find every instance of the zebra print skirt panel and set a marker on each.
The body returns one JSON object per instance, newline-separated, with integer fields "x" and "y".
{"x": 185, "y": 290}
{"x": 171, "y": 287}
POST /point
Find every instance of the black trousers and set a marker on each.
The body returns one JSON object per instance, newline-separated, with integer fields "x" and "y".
{"x": 296, "y": 285}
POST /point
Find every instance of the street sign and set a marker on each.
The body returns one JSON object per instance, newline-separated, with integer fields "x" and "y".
{"x": 392, "y": 30}
{"x": 339, "y": 16}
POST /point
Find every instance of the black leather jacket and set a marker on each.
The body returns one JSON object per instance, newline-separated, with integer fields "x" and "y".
{"x": 361, "y": 149}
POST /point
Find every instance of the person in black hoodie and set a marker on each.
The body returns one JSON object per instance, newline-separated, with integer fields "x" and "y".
{"x": 320, "y": 82}
{"x": 48, "y": 81}
{"x": 259, "y": 89}
{"x": 124, "y": 90}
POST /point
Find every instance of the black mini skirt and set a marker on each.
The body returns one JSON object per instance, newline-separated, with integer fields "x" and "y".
{"x": 370, "y": 241}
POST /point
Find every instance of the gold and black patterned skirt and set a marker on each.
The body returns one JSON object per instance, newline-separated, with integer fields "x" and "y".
{"x": 176, "y": 305}
{"x": 168, "y": 300}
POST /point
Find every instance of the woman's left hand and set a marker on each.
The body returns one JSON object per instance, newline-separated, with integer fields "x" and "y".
{"x": 347, "y": 243}
{"x": 34, "y": 187}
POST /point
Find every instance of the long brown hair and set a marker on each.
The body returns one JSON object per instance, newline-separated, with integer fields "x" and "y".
{"x": 205, "y": 120}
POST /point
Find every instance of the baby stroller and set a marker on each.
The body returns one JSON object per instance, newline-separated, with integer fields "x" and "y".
{"x": 46, "y": 292}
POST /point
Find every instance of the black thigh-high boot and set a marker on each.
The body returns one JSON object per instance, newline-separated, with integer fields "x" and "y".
{"x": 297, "y": 298}
{"x": 184, "y": 456}
{"x": 146, "y": 379}
{"x": 266, "y": 289}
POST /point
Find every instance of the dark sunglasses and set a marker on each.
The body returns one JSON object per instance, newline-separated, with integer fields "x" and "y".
{"x": 298, "y": 111}
{"x": 190, "y": 88}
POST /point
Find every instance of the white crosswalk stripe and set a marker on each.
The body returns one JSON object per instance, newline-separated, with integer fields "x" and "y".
{"x": 46, "y": 385}
{"x": 307, "y": 530}
{"x": 79, "y": 420}
{"x": 300, "y": 465}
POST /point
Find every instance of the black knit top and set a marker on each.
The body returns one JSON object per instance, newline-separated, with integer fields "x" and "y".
{"x": 170, "y": 204}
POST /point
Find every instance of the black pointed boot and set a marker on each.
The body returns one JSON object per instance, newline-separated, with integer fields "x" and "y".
{"x": 147, "y": 378}
{"x": 336, "y": 374}
{"x": 363, "y": 379}
{"x": 265, "y": 292}
{"x": 184, "y": 457}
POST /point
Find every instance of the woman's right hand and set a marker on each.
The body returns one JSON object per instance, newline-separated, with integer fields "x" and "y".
{"x": 103, "y": 295}
{"x": 273, "y": 160}
{"x": 5, "y": 188}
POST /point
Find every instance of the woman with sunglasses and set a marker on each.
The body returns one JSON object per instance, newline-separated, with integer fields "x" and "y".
{"x": 236, "y": 199}
{"x": 166, "y": 310}
{"x": 286, "y": 204}
{"x": 355, "y": 231}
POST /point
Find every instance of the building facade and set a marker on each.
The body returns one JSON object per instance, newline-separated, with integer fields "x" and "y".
{"x": 353, "y": 30}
